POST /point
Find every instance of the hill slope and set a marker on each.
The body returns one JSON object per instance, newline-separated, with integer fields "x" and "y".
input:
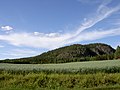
{"x": 72, "y": 53}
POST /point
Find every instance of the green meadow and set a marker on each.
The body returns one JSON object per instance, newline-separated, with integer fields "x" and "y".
{"x": 108, "y": 66}
{"x": 92, "y": 75}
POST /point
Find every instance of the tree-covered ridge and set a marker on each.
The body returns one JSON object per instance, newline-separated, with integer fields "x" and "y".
{"x": 78, "y": 50}
{"x": 72, "y": 53}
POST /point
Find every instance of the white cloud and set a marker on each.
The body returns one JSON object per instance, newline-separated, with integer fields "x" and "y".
{"x": 27, "y": 39}
{"x": 54, "y": 40}
{"x": 100, "y": 15}
{"x": 93, "y": 35}
{"x": 6, "y": 28}
{"x": 53, "y": 35}
{"x": 36, "y": 33}
{"x": 46, "y": 35}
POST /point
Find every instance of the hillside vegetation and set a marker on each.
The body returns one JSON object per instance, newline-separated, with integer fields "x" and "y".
{"x": 72, "y": 53}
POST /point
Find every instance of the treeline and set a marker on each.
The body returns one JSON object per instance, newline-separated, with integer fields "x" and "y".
{"x": 36, "y": 60}
{"x": 73, "y": 53}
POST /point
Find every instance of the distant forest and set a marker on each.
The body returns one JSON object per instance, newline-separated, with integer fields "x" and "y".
{"x": 72, "y": 53}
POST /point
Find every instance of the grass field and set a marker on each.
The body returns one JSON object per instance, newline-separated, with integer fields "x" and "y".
{"x": 108, "y": 66}
{"x": 92, "y": 75}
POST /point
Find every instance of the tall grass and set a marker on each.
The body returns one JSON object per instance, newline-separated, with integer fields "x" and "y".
{"x": 109, "y": 66}
{"x": 74, "y": 76}
{"x": 57, "y": 81}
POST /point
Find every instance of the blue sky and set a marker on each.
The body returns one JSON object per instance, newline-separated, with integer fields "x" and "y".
{"x": 30, "y": 27}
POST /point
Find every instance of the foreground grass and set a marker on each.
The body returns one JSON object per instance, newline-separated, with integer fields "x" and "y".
{"x": 42, "y": 81}
{"x": 96, "y": 88}
{"x": 108, "y": 66}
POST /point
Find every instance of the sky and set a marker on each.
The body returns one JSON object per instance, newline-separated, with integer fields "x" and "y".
{"x": 31, "y": 27}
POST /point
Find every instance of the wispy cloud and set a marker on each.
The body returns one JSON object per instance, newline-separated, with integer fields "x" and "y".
{"x": 54, "y": 40}
{"x": 94, "y": 35}
{"x": 6, "y": 28}
{"x": 46, "y": 35}
{"x": 28, "y": 39}
{"x": 104, "y": 5}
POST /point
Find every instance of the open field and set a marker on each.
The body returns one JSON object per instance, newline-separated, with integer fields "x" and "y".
{"x": 92, "y": 75}
{"x": 108, "y": 66}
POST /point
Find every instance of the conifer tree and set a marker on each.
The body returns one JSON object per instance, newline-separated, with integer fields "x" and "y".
{"x": 117, "y": 53}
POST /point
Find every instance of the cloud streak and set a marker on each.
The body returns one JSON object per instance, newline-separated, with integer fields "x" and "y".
{"x": 6, "y": 28}
{"x": 55, "y": 40}
{"x": 94, "y": 35}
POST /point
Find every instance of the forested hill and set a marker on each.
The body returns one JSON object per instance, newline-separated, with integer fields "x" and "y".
{"x": 72, "y": 53}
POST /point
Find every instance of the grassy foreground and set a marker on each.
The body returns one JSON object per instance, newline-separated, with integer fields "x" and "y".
{"x": 93, "y": 75}
{"x": 44, "y": 81}
{"x": 96, "y": 88}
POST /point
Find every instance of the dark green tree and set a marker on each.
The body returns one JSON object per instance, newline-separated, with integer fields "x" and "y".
{"x": 117, "y": 53}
